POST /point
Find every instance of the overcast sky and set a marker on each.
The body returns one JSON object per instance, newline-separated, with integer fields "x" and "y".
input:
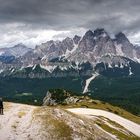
{"x": 35, "y": 21}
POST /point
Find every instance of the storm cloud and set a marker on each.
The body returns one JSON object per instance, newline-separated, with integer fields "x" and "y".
{"x": 33, "y": 21}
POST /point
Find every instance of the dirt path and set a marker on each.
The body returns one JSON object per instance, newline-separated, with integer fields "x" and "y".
{"x": 16, "y": 121}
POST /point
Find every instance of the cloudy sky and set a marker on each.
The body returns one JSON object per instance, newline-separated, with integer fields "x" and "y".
{"x": 35, "y": 21}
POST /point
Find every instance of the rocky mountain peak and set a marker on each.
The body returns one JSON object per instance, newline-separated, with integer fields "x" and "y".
{"x": 87, "y": 42}
{"x": 76, "y": 39}
{"x": 67, "y": 39}
{"x": 120, "y": 38}
{"x": 99, "y": 32}
{"x": 21, "y": 45}
{"x": 51, "y": 42}
{"x": 67, "y": 42}
{"x": 88, "y": 34}
{"x": 126, "y": 47}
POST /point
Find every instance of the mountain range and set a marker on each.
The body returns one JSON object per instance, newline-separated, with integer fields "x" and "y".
{"x": 78, "y": 56}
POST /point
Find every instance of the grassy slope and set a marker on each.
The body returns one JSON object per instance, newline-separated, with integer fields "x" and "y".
{"x": 71, "y": 124}
{"x": 96, "y": 104}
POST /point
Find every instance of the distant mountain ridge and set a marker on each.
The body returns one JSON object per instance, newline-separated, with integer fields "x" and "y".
{"x": 17, "y": 50}
{"x": 78, "y": 56}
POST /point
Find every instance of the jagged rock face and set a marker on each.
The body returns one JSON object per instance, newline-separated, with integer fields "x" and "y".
{"x": 67, "y": 44}
{"x": 53, "y": 49}
{"x": 50, "y": 50}
{"x": 85, "y": 47}
{"x": 30, "y": 58}
{"x": 99, "y": 43}
{"x": 76, "y": 39}
{"x": 93, "y": 45}
{"x": 87, "y": 43}
{"x": 126, "y": 47}
{"x": 137, "y": 53}
{"x": 104, "y": 44}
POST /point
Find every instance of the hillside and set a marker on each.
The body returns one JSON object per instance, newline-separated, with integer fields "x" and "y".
{"x": 27, "y": 122}
{"x": 40, "y": 123}
{"x": 108, "y": 117}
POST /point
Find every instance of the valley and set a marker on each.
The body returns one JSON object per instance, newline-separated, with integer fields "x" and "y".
{"x": 123, "y": 92}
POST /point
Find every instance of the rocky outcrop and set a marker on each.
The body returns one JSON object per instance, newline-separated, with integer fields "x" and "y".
{"x": 60, "y": 96}
{"x": 48, "y": 101}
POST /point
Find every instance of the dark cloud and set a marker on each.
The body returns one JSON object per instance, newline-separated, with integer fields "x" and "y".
{"x": 113, "y": 15}
{"x": 73, "y": 13}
